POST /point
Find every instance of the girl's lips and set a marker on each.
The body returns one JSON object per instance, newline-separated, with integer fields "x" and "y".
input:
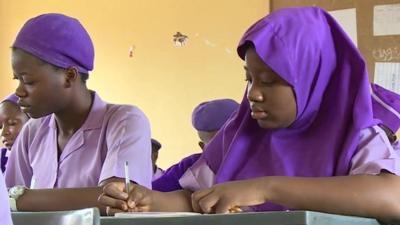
{"x": 259, "y": 115}
{"x": 23, "y": 105}
{"x": 25, "y": 109}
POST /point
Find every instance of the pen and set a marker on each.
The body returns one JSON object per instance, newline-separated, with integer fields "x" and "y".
{"x": 33, "y": 182}
{"x": 127, "y": 180}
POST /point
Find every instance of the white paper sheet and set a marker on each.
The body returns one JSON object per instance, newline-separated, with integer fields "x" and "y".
{"x": 388, "y": 76}
{"x": 155, "y": 214}
{"x": 347, "y": 19}
{"x": 387, "y": 19}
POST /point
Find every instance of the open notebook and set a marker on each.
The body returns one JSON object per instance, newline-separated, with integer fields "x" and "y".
{"x": 155, "y": 214}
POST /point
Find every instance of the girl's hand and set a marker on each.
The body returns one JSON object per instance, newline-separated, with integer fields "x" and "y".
{"x": 227, "y": 197}
{"x": 140, "y": 199}
{"x": 115, "y": 198}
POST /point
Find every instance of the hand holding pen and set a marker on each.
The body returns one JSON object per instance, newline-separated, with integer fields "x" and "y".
{"x": 126, "y": 196}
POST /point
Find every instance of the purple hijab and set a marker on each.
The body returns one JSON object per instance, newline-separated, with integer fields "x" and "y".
{"x": 308, "y": 49}
{"x": 386, "y": 107}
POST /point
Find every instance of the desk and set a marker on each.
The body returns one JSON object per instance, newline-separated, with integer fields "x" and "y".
{"x": 266, "y": 218}
{"x": 89, "y": 216}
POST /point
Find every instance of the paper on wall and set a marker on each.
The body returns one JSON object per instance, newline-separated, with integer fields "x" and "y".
{"x": 387, "y": 75}
{"x": 347, "y": 19}
{"x": 387, "y": 54}
{"x": 387, "y": 20}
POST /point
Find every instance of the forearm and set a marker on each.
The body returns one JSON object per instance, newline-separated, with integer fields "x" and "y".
{"x": 175, "y": 201}
{"x": 363, "y": 195}
{"x": 59, "y": 199}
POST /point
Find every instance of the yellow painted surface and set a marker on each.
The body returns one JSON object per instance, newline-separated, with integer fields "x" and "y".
{"x": 166, "y": 82}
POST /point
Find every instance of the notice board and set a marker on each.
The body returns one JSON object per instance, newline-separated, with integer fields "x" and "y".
{"x": 377, "y": 33}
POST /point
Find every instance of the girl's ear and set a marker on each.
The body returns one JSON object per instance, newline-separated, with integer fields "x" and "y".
{"x": 71, "y": 75}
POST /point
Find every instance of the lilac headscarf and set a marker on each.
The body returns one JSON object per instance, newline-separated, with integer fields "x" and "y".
{"x": 386, "y": 107}
{"x": 59, "y": 40}
{"x": 308, "y": 49}
{"x": 211, "y": 115}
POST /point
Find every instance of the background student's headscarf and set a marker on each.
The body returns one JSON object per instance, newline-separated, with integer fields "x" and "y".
{"x": 309, "y": 50}
{"x": 11, "y": 98}
{"x": 211, "y": 115}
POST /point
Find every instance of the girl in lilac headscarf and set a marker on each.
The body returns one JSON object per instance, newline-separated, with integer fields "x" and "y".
{"x": 75, "y": 142}
{"x": 12, "y": 119}
{"x": 304, "y": 125}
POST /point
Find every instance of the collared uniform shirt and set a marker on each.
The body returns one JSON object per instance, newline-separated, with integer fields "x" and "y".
{"x": 375, "y": 155}
{"x": 111, "y": 135}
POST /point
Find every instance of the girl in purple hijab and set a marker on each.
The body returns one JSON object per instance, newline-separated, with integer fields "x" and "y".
{"x": 303, "y": 131}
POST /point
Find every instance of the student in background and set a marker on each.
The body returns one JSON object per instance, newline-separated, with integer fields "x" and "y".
{"x": 207, "y": 118}
{"x": 5, "y": 215}
{"x": 293, "y": 143}
{"x": 75, "y": 142}
{"x": 155, "y": 148}
{"x": 12, "y": 119}
{"x": 386, "y": 108}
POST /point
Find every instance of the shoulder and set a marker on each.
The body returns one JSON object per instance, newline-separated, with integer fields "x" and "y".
{"x": 374, "y": 133}
{"x": 375, "y": 153}
{"x": 126, "y": 117}
{"x": 121, "y": 112}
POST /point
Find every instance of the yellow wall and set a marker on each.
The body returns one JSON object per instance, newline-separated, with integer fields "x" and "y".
{"x": 166, "y": 82}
